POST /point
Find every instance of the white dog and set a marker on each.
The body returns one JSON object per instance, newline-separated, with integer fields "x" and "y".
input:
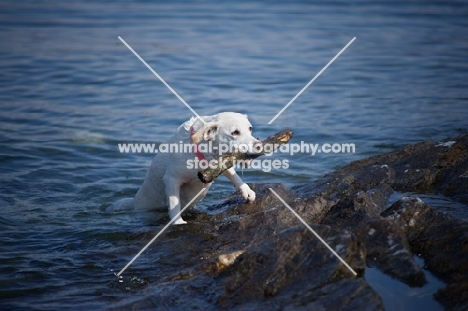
{"x": 172, "y": 183}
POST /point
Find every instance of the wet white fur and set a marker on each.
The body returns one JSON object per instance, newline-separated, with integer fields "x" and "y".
{"x": 170, "y": 184}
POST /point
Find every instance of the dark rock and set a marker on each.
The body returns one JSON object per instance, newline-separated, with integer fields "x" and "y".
{"x": 291, "y": 268}
{"x": 261, "y": 257}
{"x": 386, "y": 245}
{"x": 427, "y": 167}
{"x": 442, "y": 241}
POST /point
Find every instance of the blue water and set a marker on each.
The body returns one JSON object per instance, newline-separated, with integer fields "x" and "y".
{"x": 399, "y": 296}
{"x": 70, "y": 91}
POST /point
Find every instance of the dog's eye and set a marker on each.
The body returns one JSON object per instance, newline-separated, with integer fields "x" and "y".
{"x": 235, "y": 133}
{"x": 250, "y": 129}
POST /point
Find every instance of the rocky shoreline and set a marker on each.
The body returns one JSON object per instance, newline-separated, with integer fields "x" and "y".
{"x": 260, "y": 257}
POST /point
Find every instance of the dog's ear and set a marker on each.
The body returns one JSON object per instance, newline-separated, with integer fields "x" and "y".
{"x": 207, "y": 132}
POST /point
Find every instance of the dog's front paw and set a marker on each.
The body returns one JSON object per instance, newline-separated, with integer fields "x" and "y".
{"x": 247, "y": 193}
{"x": 179, "y": 221}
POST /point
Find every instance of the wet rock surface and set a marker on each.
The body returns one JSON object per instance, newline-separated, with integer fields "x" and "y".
{"x": 261, "y": 257}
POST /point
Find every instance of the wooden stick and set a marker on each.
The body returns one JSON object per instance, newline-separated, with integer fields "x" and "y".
{"x": 228, "y": 160}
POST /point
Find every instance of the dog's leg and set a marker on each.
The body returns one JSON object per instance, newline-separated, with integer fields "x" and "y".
{"x": 172, "y": 187}
{"x": 247, "y": 193}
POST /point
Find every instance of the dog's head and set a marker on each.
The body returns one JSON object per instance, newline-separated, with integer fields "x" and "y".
{"x": 230, "y": 128}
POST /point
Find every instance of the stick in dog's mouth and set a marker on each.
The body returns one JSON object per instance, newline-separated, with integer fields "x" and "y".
{"x": 273, "y": 142}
